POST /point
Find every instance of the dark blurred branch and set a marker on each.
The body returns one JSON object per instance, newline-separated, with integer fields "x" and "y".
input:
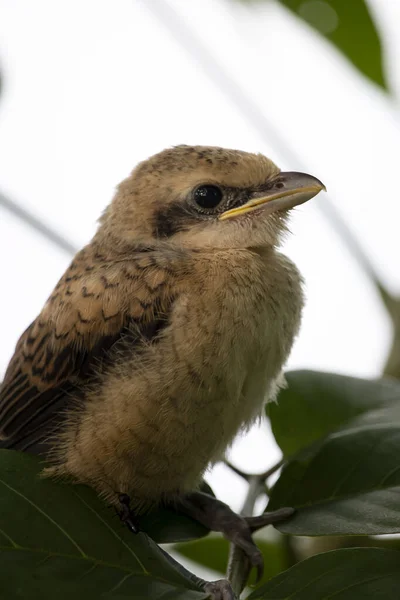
{"x": 239, "y": 472}
{"x": 392, "y": 366}
{"x": 272, "y": 470}
{"x": 31, "y": 220}
{"x": 36, "y": 224}
{"x": 261, "y": 476}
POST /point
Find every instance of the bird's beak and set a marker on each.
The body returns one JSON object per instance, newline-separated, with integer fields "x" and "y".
{"x": 287, "y": 190}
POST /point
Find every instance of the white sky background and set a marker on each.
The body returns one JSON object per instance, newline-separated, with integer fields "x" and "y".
{"x": 91, "y": 88}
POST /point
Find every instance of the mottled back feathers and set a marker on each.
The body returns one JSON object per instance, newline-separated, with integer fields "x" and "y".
{"x": 97, "y": 308}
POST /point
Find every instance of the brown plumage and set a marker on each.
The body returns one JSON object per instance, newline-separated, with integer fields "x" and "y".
{"x": 168, "y": 331}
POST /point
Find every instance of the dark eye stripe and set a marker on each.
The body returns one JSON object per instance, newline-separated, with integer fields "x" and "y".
{"x": 182, "y": 214}
{"x": 172, "y": 218}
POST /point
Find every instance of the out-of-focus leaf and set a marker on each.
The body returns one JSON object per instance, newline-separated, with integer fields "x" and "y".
{"x": 348, "y": 25}
{"x": 212, "y": 552}
{"x": 354, "y": 574}
{"x": 316, "y": 403}
{"x": 349, "y": 483}
{"x": 58, "y": 539}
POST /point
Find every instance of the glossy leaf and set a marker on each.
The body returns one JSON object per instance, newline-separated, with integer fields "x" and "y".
{"x": 165, "y": 525}
{"x": 32, "y": 575}
{"x": 354, "y": 574}
{"x": 61, "y": 538}
{"x": 348, "y": 484}
{"x": 316, "y": 403}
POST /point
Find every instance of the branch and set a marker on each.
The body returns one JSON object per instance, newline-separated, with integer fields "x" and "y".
{"x": 261, "y": 476}
{"x": 272, "y": 470}
{"x": 239, "y": 566}
{"x": 36, "y": 224}
{"x": 236, "y": 470}
{"x": 392, "y": 366}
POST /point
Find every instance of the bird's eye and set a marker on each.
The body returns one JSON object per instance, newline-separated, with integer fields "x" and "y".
{"x": 207, "y": 196}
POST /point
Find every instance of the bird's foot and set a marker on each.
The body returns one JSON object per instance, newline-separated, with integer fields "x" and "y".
{"x": 217, "y": 590}
{"x": 126, "y": 515}
{"x": 220, "y": 590}
{"x": 217, "y": 516}
{"x": 269, "y": 518}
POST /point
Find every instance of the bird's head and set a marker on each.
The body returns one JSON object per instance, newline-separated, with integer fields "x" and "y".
{"x": 206, "y": 197}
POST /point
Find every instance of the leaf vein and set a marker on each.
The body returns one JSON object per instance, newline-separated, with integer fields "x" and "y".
{"x": 120, "y": 582}
{"x": 141, "y": 565}
{"x": 52, "y": 521}
{"x": 355, "y": 584}
{"x": 9, "y": 538}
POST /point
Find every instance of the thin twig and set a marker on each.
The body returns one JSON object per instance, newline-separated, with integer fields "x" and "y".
{"x": 261, "y": 476}
{"x": 36, "y": 224}
{"x": 253, "y": 493}
{"x": 272, "y": 470}
{"x": 236, "y": 470}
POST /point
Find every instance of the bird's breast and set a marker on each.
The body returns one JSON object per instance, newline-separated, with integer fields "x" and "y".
{"x": 160, "y": 418}
{"x": 221, "y": 357}
{"x": 248, "y": 326}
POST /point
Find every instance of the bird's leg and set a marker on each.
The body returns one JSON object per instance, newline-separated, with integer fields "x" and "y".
{"x": 268, "y": 518}
{"x": 218, "y": 590}
{"x": 126, "y": 515}
{"x": 217, "y": 516}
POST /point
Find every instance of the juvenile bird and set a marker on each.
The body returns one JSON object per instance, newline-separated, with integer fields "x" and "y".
{"x": 166, "y": 335}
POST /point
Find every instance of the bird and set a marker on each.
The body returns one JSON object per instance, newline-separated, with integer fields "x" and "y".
{"x": 166, "y": 335}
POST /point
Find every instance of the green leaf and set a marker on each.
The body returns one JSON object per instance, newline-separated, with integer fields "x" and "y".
{"x": 348, "y": 25}
{"x": 355, "y": 574}
{"x": 61, "y": 539}
{"x": 165, "y": 525}
{"x": 348, "y": 484}
{"x": 30, "y": 575}
{"x": 212, "y": 552}
{"x": 316, "y": 403}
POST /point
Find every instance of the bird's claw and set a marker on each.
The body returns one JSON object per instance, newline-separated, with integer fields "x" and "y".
{"x": 126, "y": 515}
{"x": 220, "y": 590}
{"x": 217, "y": 516}
{"x": 239, "y": 532}
{"x": 241, "y": 537}
{"x": 257, "y": 562}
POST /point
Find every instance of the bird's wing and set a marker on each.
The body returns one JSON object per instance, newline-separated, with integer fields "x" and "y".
{"x": 91, "y": 309}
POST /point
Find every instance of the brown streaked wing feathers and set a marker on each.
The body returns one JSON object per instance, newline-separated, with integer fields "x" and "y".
{"x": 70, "y": 341}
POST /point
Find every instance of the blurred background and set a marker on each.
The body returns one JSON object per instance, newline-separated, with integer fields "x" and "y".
{"x": 90, "y": 88}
